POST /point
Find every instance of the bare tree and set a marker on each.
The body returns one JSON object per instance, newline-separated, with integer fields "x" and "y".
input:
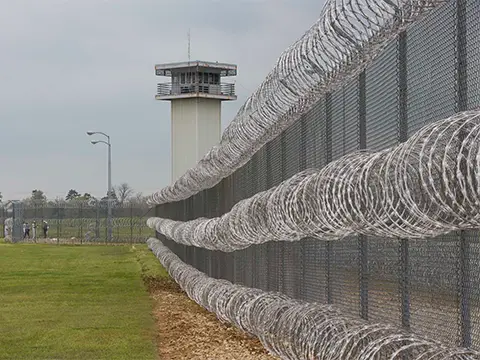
{"x": 123, "y": 192}
{"x": 138, "y": 200}
{"x": 57, "y": 202}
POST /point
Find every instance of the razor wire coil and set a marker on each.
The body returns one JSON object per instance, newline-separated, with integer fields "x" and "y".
{"x": 293, "y": 329}
{"x": 424, "y": 187}
{"x": 344, "y": 40}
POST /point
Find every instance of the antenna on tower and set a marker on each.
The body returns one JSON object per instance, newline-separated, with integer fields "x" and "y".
{"x": 188, "y": 36}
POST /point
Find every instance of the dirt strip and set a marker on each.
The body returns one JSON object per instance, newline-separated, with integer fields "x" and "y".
{"x": 187, "y": 331}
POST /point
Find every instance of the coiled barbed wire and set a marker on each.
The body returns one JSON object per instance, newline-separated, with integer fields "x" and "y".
{"x": 293, "y": 329}
{"x": 425, "y": 187}
{"x": 344, "y": 40}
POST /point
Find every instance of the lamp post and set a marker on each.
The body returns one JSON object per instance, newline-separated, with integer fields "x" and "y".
{"x": 109, "y": 193}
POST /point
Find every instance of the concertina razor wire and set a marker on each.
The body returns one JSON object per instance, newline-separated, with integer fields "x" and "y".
{"x": 424, "y": 187}
{"x": 293, "y": 329}
{"x": 344, "y": 40}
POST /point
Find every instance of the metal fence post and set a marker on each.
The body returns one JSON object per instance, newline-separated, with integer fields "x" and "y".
{"x": 14, "y": 222}
{"x": 281, "y": 244}
{"x": 464, "y": 287}
{"x": 81, "y": 223}
{"x": 462, "y": 105}
{"x": 328, "y": 158}
{"x": 300, "y": 281}
{"x": 210, "y": 211}
{"x": 3, "y": 218}
{"x": 107, "y": 225}
{"x": 362, "y": 239}
{"x": 402, "y": 137}
{"x": 269, "y": 246}
{"x": 405, "y": 283}
{"x": 97, "y": 221}
{"x": 197, "y": 213}
{"x": 131, "y": 223}
{"x": 255, "y": 273}
{"x": 59, "y": 222}
{"x": 226, "y": 206}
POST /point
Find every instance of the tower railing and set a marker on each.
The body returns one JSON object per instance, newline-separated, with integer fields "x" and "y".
{"x": 166, "y": 89}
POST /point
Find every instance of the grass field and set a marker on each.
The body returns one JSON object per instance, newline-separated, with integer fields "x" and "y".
{"x": 76, "y": 302}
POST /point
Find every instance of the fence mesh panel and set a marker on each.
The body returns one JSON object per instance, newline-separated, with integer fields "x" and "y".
{"x": 80, "y": 222}
{"x": 429, "y": 286}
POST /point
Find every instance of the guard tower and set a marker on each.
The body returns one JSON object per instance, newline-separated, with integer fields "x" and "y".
{"x": 196, "y": 92}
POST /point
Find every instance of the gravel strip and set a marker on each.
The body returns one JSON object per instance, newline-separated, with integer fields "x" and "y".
{"x": 187, "y": 331}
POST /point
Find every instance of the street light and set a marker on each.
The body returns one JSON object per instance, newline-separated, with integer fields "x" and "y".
{"x": 109, "y": 193}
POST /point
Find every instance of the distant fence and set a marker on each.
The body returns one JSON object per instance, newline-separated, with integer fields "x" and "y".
{"x": 77, "y": 222}
{"x": 432, "y": 286}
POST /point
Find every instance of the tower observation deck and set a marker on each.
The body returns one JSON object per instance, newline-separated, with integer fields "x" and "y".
{"x": 196, "y": 79}
{"x": 196, "y": 92}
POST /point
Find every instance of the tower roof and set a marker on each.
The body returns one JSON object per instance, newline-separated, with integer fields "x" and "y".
{"x": 225, "y": 69}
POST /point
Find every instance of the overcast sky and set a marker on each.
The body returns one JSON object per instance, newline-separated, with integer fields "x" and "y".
{"x": 76, "y": 65}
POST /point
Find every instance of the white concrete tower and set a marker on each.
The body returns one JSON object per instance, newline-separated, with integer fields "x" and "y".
{"x": 196, "y": 93}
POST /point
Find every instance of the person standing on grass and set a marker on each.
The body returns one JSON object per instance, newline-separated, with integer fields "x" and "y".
{"x": 34, "y": 230}
{"x": 45, "y": 229}
{"x": 27, "y": 230}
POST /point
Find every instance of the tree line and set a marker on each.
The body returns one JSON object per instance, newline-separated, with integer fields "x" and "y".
{"x": 121, "y": 195}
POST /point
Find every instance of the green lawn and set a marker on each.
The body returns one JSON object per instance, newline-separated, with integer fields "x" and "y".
{"x": 76, "y": 302}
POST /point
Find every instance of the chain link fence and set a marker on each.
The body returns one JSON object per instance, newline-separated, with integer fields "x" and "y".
{"x": 430, "y": 287}
{"x": 75, "y": 222}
